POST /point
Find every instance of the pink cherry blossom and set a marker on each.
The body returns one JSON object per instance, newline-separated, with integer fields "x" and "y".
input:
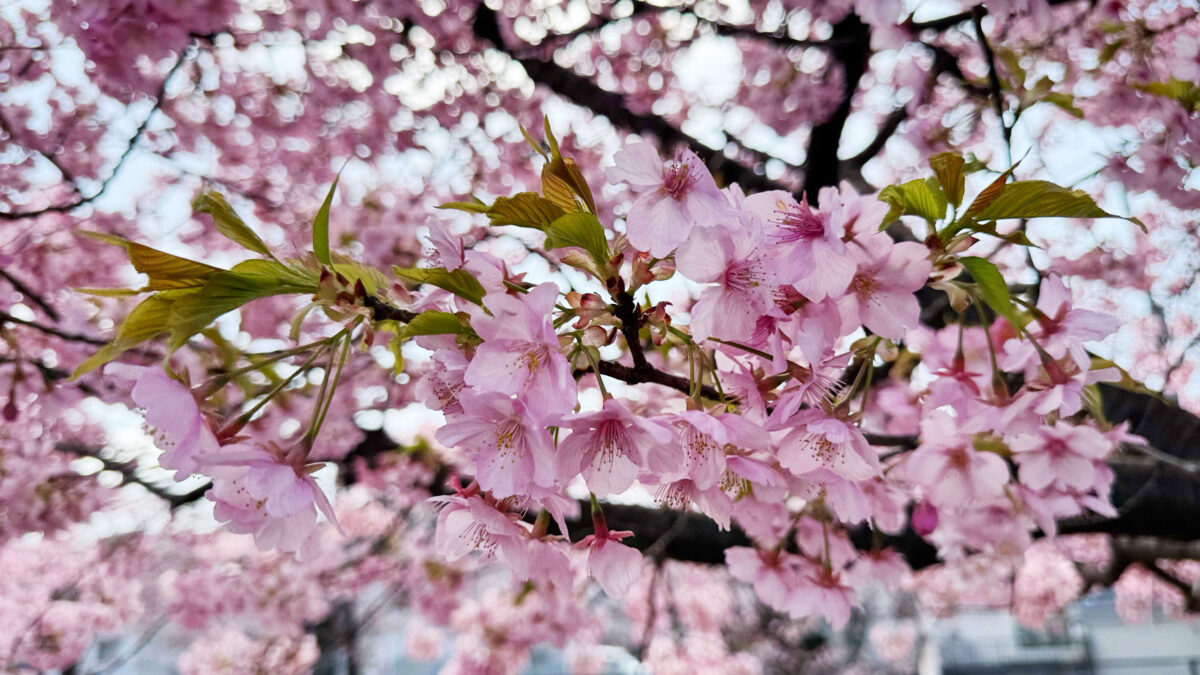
{"x": 270, "y": 493}
{"x": 1062, "y": 455}
{"x": 520, "y": 351}
{"x": 511, "y": 449}
{"x": 704, "y": 438}
{"x": 612, "y": 564}
{"x": 610, "y": 446}
{"x": 810, "y": 251}
{"x": 949, "y": 469}
{"x": 880, "y": 296}
{"x": 773, "y": 574}
{"x": 821, "y": 591}
{"x": 673, "y": 197}
{"x": 1059, "y": 329}
{"x": 180, "y": 429}
{"x": 818, "y": 441}
{"x": 736, "y": 261}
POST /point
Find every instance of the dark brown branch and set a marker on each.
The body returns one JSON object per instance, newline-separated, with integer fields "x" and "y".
{"x": 886, "y": 131}
{"x": 382, "y": 311}
{"x": 997, "y": 94}
{"x": 134, "y": 140}
{"x": 652, "y": 375}
{"x": 30, "y": 295}
{"x": 852, "y": 48}
{"x": 5, "y": 317}
{"x": 778, "y": 37}
{"x": 953, "y": 20}
{"x": 128, "y": 471}
{"x": 626, "y": 310}
{"x": 585, "y": 93}
{"x": 1191, "y": 602}
{"x": 50, "y": 156}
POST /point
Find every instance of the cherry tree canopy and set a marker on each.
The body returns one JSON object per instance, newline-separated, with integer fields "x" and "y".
{"x": 707, "y": 330}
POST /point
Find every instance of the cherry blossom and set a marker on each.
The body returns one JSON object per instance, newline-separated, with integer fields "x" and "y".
{"x": 674, "y": 197}
{"x": 510, "y": 447}
{"x": 611, "y": 446}
{"x": 520, "y": 351}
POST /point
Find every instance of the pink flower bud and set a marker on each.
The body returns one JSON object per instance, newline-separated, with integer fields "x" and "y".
{"x": 924, "y": 519}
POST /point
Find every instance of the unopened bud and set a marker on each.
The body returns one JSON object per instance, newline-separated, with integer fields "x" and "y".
{"x": 924, "y": 519}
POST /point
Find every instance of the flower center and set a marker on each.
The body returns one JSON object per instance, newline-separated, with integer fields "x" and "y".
{"x": 698, "y": 445}
{"x": 865, "y": 286}
{"x": 743, "y": 275}
{"x": 508, "y": 435}
{"x": 678, "y": 178}
{"x": 799, "y": 223}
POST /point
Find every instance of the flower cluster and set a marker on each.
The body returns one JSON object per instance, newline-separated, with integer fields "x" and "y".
{"x": 800, "y": 308}
{"x": 256, "y": 489}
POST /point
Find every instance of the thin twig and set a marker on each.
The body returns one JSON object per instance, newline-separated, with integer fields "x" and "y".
{"x": 993, "y": 77}
{"x": 5, "y": 317}
{"x": 159, "y": 97}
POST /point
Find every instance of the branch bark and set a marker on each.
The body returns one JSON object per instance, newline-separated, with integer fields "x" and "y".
{"x": 159, "y": 97}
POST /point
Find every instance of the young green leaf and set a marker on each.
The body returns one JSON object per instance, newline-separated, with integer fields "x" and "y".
{"x": 1064, "y": 101}
{"x": 990, "y": 192}
{"x": 992, "y": 287}
{"x": 459, "y": 282}
{"x": 582, "y": 230}
{"x": 228, "y": 222}
{"x": 1039, "y": 198}
{"x": 921, "y": 197}
{"x": 948, "y": 167}
{"x": 230, "y": 290}
{"x": 320, "y": 242}
{"x": 476, "y": 205}
{"x": 524, "y": 209}
{"x": 166, "y": 271}
{"x": 436, "y": 323}
{"x": 145, "y": 321}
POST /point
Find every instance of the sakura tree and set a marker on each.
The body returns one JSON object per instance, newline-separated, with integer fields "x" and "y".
{"x": 700, "y": 332}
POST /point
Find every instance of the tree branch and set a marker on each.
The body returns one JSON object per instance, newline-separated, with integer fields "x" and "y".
{"x": 128, "y": 471}
{"x": 851, "y": 52}
{"x": 29, "y": 294}
{"x": 613, "y": 106}
{"x": 5, "y": 317}
{"x": 997, "y": 95}
{"x": 159, "y": 96}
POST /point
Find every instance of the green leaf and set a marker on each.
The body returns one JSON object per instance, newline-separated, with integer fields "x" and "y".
{"x": 459, "y": 282}
{"x": 582, "y": 230}
{"x": 524, "y": 209}
{"x": 1187, "y": 93}
{"x": 989, "y": 193}
{"x": 1064, "y": 101}
{"x": 992, "y": 287}
{"x": 1110, "y": 50}
{"x": 1016, "y": 236}
{"x": 1039, "y": 199}
{"x": 372, "y": 279}
{"x": 227, "y": 221}
{"x": 550, "y": 137}
{"x": 110, "y": 292}
{"x": 921, "y": 197}
{"x": 1012, "y": 63}
{"x": 230, "y": 290}
{"x": 145, "y": 321}
{"x": 436, "y": 323}
{"x": 562, "y": 182}
{"x": 320, "y": 243}
{"x": 948, "y": 167}
{"x": 166, "y": 271}
{"x": 476, "y": 205}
